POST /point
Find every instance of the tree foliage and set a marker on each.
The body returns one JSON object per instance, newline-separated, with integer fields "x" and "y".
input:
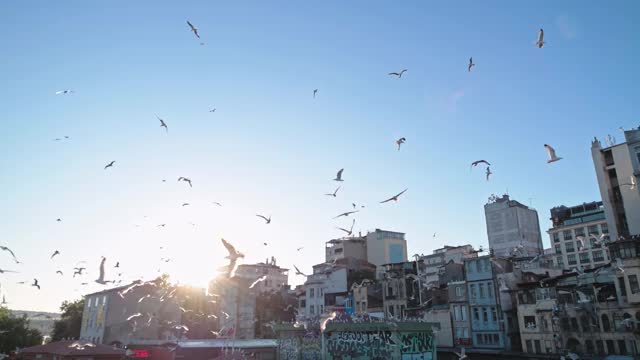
{"x": 68, "y": 327}
{"x": 14, "y": 332}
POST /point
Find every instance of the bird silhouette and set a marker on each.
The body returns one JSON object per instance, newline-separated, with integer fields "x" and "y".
{"x": 398, "y": 74}
{"x": 471, "y": 64}
{"x": 181, "y": 178}
{"x": 109, "y": 165}
{"x": 194, "y": 29}
{"x": 339, "y": 175}
{"x": 163, "y": 124}
{"x": 266, "y": 219}
{"x": 35, "y": 283}
{"x": 394, "y": 198}
{"x": 55, "y": 253}
{"x": 540, "y": 43}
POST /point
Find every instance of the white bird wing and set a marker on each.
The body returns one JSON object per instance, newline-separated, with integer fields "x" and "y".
{"x": 339, "y": 175}
{"x": 551, "y": 151}
{"x": 541, "y": 35}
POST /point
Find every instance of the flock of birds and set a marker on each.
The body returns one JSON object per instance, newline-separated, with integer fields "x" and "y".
{"x": 234, "y": 255}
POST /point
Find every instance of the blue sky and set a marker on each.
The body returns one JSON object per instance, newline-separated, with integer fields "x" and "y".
{"x": 270, "y": 147}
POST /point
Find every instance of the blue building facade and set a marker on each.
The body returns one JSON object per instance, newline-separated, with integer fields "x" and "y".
{"x": 487, "y": 324}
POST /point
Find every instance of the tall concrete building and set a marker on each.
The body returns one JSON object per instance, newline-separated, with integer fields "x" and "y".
{"x": 512, "y": 225}
{"x": 386, "y": 247}
{"x": 276, "y": 277}
{"x": 616, "y": 166}
{"x": 575, "y": 234}
{"x": 440, "y": 257}
{"x": 351, "y": 247}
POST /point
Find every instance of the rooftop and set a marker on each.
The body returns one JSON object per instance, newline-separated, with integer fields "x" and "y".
{"x": 562, "y": 215}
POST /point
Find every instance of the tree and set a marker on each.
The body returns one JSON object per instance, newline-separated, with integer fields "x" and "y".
{"x": 68, "y": 327}
{"x": 15, "y": 332}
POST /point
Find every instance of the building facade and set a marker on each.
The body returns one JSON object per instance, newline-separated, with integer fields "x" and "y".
{"x": 487, "y": 330}
{"x": 459, "y": 311}
{"x": 353, "y": 247}
{"x": 401, "y": 289}
{"x": 434, "y": 262}
{"x": 386, "y": 247}
{"x": 277, "y": 278}
{"x": 577, "y": 233}
{"x": 615, "y": 167}
{"x": 512, "y": 228}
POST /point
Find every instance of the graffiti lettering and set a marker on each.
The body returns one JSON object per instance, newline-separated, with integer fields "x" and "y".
{"x": 416, "y": 343}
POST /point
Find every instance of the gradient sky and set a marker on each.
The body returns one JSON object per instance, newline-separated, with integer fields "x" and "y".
{"x": 270, "y": 148}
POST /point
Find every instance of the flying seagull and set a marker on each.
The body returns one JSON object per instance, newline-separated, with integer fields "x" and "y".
{"x": 64, "y": 92}
{"x": 633, "y": 184}
{"x": 400, "y": 141}
{"x": 475, "y": 163}
{"x": 471, "y": 64}
{"x": 163, "y": 124}
{"x": 59, "y": 272}
{"x": 394, "y": 198}
{"x": 212, "y": 110}
{"x": 117, "y": 264}
{"x": 100, "y": 280}
{"x": 298, "y": 272}
{"x": 58, "y": 220}
{"x": 346, "y": 213}
{"x": 78, "y": 271}
{"x": 185, "y": 204}
{"x": 339, "y": 175}
{"x": 335, "y": 192}
{"x": 540, "y": 42}
{"x": 263, "y": 278}
{"x": 216, "y": 203}
{"x": 315, "y": 91}
{"x": 185, "y": 180}
{"x": 300, "y": 248}
{"x": 109, "y": 165}
{"x": 488, "y": 173}
{"x": 398, "y": 74}
{"x": 267, "y": 219}
{"x": 552, "y": 154}
{"x": 461, "y": 355}
{"x": 35, "y": 283}
{"x": 233, "y": 257}
{"x": 7, "y": 271}
{"x": 55, "y": 253}
{"x": 4, "y": 248}
{"x": 350, "y": 231}
{"x": 194, "y": 29}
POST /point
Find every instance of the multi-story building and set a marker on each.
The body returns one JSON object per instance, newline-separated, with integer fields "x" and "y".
{"x": 576, "y": 234}
{"x": 487, "y": 328}
{"x": 277, "y": 278}
{"x": 592, "y": 312}
{"x": 368, "y": 299}
{"x": 442, "y": 256}
{"x": 401, "y": 288}
{"x": 386, "y": 247}
{"x": 459, "y": 311}
{"x": 354, "y": 247}
{"x": 106, "y": 314}
{"x": 237, "y": 306}
{"x": 512, "y": 228}
{"x": 616, "y": 166}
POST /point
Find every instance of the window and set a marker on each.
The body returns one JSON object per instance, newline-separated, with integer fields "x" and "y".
{"x": 548, "y": 346}
{"x": 544, "y": 324}
{"x": 479, "y": 339}
{"x": 623, "y": 287}
{"x": 606, "y": 325}
{"x": 556, "y": 237}
{"x": 391, "y": 311}
{"x": 579, "y": 232}
{"x": 610, "y": 348}
{"x": 538, "y": 347}
{"x": 568, "y": 246}
{"x": 321, "y": 309}
{"x": 571, "y": 259}
{"x": 574, "y": 324}
{"x": 494, "y": 313}
{"x": 311, "y": 310}
{"x": 476, "y": 314}
{"x": 485, "y": 314}
{"x": 593, "y": 230}
{"x": 529, "y": 346}
{"x": 456, "y": 313}
{"x": 558, "y": 249}
{"x": 490, "y": 290}
{"x": 481, "y": 286}
{"x": 584, "y": 258}
{"x": 590, "y": 349}
{"x": 560, "y": 261}
{"x": 530, "y": 322}
{"x": 567, "y": 235}
{"x": 464, "y": 313}
{"x": 604, "y": 228}
{"x": 600, "y": 346}
{"x": 311, "y": 292}
{"x": 584, "y": 322}
{"x": 633, "y": 284}
{"x": 320, "y": 292}
{"x": 459, "y": 291}
{"x": 597, "y": 256}
{"x": 472, "y": 291}
{"x": 622, "y": 347}
{"x": 564, "y": 324}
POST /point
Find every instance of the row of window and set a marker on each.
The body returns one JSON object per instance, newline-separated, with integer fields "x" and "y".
{"x": 488, "y": 339}
{"x": 460, "y": 312}
{"x": 590, "y": 230}
{"x": 538, "y": 347}
{"x": 95, "y": 301}
{"x": 485, "y": 313}
{"x": 312, "y": 309}
{"x": 598, "y": 256}
{"x": 482, "y": 265}
{"x": 312, "y": 292}
{"x": 484, "y": 290}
